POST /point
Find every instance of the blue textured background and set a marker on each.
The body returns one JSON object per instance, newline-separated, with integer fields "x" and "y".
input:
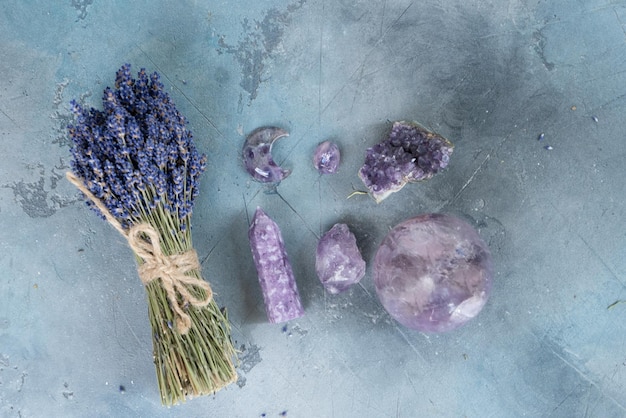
{"x": 489, "y": 75}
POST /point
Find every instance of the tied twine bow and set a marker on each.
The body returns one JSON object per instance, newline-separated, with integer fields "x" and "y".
{"x": 171, "y": 269}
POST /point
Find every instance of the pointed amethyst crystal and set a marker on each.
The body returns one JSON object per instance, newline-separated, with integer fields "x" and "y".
{"x": 433, "y": 273}
{"x": 338, "y": 262}
{"x": 280, "y": 292}
{"x": 411, "y": 153}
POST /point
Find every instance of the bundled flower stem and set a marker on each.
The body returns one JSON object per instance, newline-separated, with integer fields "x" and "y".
{"x": 138, "y": 167}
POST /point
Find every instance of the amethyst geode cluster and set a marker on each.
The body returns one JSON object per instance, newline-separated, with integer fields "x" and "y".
{"x": 411, "y": 153}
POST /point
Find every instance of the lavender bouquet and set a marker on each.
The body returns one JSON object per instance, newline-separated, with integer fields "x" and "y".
{"x": 136, "y": 163}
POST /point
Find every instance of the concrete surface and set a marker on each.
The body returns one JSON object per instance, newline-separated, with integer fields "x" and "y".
{"x": 489, "y": 75}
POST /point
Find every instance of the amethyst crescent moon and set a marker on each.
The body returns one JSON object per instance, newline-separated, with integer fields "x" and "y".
{"x": 257, "y": 155}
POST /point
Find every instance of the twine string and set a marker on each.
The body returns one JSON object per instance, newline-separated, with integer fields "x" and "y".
{"x": 172, "y": 269}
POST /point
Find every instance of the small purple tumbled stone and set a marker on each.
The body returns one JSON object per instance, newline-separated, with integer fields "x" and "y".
{"x": 433, "y": 273}
{"x": 338, "y": 262}
{"x": 327, "y": 157}
{"x": 280, "y": 292}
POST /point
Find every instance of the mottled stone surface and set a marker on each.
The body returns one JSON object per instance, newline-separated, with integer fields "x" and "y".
{"x": 411, "y": 153}
{"x": 280, "y": 292}
{"x": 488, "y": 75}
{"x": 326, "y": 157}
{"x": 338, "y": 262}
{"x": 433, "y": 273}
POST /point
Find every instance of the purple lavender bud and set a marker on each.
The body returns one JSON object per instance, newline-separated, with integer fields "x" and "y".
{"x": 280, "y": 293}
{"x": 159, "y": 156}
{"x": 123, "y": 77}
{"x": 326, "y": 157}
{"x": 410, "y": 153}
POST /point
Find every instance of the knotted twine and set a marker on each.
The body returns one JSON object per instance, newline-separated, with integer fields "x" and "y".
{"x": 172, "y": 269}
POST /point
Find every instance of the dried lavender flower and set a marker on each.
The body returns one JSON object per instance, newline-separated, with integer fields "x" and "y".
{"x": 137, "y": 153}
{"x": 136, "y": 162}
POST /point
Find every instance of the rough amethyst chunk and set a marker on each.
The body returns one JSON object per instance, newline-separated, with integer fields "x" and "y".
{"x": 411, "y": 153}
{"x": 433, "y": 273}
{"x": 326, "y": 158}
{"x": 280, "y": 292}
{"x": 338, "y": 262}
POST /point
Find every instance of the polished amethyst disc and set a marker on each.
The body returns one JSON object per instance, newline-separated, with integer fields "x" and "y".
{"x": 433, "y": 273}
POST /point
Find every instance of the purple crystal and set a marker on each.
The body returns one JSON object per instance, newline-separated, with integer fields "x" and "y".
{"x": 280, "y": 293}
{"x": 411, "y": 153}
{"x": 338, "y": 262}
{"x": 326, "y": 158}
{"x": 433, "y": 273}
{"x": 257, "y": 155}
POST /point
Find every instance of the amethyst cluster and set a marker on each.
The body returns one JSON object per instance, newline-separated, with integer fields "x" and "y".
{"x": 137, "y": 154}
{"x": 410, "y": 153}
